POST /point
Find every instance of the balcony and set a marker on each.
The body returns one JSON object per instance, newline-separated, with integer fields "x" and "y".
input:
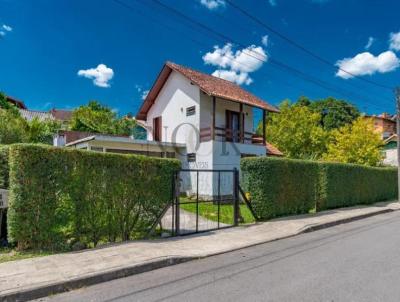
{"x": 229, "y": 135}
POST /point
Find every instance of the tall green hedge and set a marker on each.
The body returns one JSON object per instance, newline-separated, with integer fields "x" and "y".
{"x": 347, "y": 185}
{"x": 61, "y": 197}
{"x": 280, "y": 187}
{"x": 4, "y": 170}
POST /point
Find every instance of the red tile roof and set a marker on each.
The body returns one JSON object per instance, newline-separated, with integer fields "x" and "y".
{"x": 61, "y": 115}
{"x": 272, "y": 150}
{"x": 211, "y": 85}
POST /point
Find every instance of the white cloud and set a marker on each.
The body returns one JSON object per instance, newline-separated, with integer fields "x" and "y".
{"x": 233, "y": 76}
{"x": 100, "y": 75}
{"x": 371, "y": 40}
{"x": 2, "y": 33}
{"x": 145, "y": 93}
{"x": 248, "y": 59}
{"x": 237, "y": 64}
{"x": 264, "y": 40}
{"x": 213, "y": 4}
{"x": 395, "y": 41}
{"x": 7, "y": 27}
{"x": 272, "y": 2}
{"x": 367, "y": 64}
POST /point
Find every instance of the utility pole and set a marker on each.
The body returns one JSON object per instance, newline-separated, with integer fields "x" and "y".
{"x": 397, "y": 91}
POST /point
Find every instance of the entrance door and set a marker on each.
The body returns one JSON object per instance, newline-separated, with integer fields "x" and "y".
{"x": 232, "y": 126}
{"x": 157, "y": 126}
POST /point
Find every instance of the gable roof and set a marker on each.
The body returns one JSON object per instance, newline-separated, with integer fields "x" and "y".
{"x": 61, "y": 114}
{"x": 211, "y": 85}
{"x": 29, "y": 115}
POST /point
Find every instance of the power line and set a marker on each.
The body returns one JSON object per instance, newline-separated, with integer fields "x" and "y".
{"x": 304, "y": 49}
{"x": 257, "y": 56}
{"x": 278, "y": 64}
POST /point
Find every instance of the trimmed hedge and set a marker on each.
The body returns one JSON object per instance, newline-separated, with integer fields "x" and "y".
{"x": 348, "y": 185}
{"x": 4, "y": 170}
{"x": 280, "y": 187}
{"x": 60, "y": 198}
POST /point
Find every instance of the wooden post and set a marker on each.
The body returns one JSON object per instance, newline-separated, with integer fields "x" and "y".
{"x": 213, "y": 119}
{"x": 263, "y": 125}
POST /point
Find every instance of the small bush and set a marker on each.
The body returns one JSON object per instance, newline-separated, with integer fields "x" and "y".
{"x": 280, "y": 187}
{"x": 61, "y": 198}
{"x": 4, "y": 170}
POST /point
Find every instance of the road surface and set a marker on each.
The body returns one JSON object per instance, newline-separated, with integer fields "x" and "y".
{"x": 359, "y": 261}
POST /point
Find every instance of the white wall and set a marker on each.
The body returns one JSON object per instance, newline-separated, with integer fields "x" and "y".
{"x": 390, "y": 157}
{"x": 176, "y": 95}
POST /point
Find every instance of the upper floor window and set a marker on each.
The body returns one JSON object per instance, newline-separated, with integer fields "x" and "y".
{"x": 190, "y": 110}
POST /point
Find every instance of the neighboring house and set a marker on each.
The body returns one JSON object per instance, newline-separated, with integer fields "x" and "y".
{"x": 384, "y": 124}
{"x": 390, "y": 151}
{"x": 19, "y": 104}
{"x": 61, "y": 115}
{"x": 29, "y": 115}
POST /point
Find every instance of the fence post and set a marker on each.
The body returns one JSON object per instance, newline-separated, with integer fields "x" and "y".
{"x": 177, "y": 216}
{"x": 236, "y": 209}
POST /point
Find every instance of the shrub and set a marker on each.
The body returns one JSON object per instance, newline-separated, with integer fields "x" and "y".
{"x": 61, "y": 197}
{"x": 347, "y": 185}
{"x": 280, "y": 187}
{"x": 4, "y": 170}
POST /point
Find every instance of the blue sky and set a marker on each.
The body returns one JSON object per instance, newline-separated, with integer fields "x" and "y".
{"x": 64, "y": 53}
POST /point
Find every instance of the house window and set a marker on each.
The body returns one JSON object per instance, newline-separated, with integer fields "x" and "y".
{"x": 191, "y": 157}
{"x": 190, "y": 110}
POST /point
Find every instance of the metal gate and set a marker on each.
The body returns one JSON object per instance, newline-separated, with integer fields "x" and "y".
{"x": 205, "y": 200}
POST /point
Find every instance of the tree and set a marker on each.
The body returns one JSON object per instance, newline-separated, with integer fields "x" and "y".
{"x": 296, "y": 132}
{"x": 97, "y": 118}
{"x": 334, "y": 113}
{"x": 12, "y": 128}
{"x": 356, "y": 143}
{"x": 42, "y": 131}
{"x": 15, "y": 129}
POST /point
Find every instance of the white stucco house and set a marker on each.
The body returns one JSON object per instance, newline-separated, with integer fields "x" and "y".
{"x": 212, "y": 117}
{"x": 205, "y": 121}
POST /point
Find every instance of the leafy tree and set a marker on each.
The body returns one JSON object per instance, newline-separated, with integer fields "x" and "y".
{"x": 296, "y": 132}
{"x": 15, "y": 129}
{"x": 12, "y": 128}
{"x": 42, "y": 131}
{"x": 356, "y": 143}
{"x": 334, "y": 113}
{"x": 97, "y": 118}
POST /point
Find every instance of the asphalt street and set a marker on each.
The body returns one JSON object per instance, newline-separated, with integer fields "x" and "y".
{"x": 358, "y": 261}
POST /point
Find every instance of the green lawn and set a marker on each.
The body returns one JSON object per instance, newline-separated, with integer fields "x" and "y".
{"x": 210, "y": 211}
{"x": 8, "y": 254}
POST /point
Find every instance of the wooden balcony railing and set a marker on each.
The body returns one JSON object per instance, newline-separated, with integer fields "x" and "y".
{"x": 225, "y": 134}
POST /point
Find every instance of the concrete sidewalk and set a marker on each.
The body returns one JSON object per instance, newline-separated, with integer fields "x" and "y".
{"x": 37, "y": 277}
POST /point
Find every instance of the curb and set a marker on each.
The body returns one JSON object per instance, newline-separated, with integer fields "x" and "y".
{"x": 57, "y": 288}
{"x": 79, "y": 282}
